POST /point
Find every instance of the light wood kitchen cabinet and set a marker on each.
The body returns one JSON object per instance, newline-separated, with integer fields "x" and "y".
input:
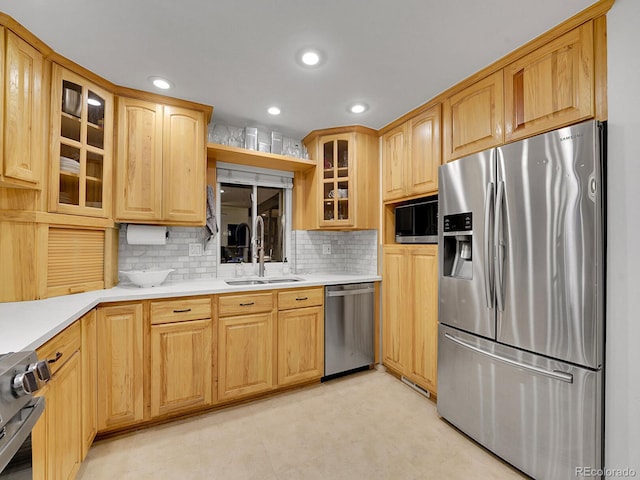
{"x": 410, "y": 318}
{"x": 161, "y": 163}
{"x": 57, "y": 439}
{"x": 424, "y": 334}
{"x": 41, "y": 260}
{"x": 394, "y": 163}
{"x": 474, "y": 118}
{"x": 89, "y": 357}
{"x": 552, "y": 86}
{"x": 341, "y": 193}
{"x": 300, "y": 335}
{"x": 181, "y": 355}
{"x": 120, "y": 366}
{"x": 245, "y": 355}
{"x": 396, "y": 307}
{"x": 246, "y": 345}
{"x": 411, "y": 155}
{"x": 22, "y": 109}
{"x": 81, "y": 146}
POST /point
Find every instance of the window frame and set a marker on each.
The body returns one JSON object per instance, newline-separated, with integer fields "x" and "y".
{"x": 254, "y": 177}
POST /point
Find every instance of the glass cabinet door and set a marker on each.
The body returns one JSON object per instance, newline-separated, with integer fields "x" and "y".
{"x": 81, "y": 159}
{"x": 336, "y": 180}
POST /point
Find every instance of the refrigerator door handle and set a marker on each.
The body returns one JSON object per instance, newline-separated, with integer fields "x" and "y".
{"x": 499, "y": 246}
{"x": 555, "y": 374}
{"x": 488, "y": 260}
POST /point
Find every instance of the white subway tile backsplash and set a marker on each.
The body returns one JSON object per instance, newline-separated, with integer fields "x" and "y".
{"x": 351, "y": 252}
{"x": 175, "y": 254}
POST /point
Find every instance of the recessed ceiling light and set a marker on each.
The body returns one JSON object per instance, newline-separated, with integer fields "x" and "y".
{"x": 161, "y": 83}
{"x": 358, "y": 108}
{"x": 310, "y": 57}
{"x": 273, "y": 111}
{"x": 94, "y": 102}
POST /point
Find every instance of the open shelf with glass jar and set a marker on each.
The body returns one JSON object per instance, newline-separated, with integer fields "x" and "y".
{"x": 82, "y": 124}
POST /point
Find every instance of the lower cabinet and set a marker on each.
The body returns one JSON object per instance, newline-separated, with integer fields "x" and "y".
{"x": 125, "y": 364}
{"x": 120, "y": 366}
{"x": 57, "y": 439}
{"x": 245, "y": 355}
{"x": 89, "y": 357}
{"x": 300, "y": 336}
{"x": 181, "y": 355}
{"x": 410, "y": 312}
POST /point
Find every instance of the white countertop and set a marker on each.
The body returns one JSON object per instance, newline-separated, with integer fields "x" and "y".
{"x": 28, "y": 325}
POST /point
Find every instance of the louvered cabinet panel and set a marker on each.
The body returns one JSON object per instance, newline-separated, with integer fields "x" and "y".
{"x": 75, "y": 260}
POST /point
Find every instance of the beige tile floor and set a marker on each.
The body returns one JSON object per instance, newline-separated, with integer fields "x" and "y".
{"x": 365, "y": 426}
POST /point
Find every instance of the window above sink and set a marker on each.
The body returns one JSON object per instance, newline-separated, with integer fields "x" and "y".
{"x": 243, "y": 194}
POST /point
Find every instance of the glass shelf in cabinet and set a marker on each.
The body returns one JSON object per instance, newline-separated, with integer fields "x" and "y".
{"x": 70, "y": 127}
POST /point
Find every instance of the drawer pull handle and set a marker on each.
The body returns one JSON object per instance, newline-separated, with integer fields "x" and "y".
{"x": 301, "y": 298}
{"x": 184, "y": 310}
{"x": 247, "y": 304}
{"x": 54, "y": 360}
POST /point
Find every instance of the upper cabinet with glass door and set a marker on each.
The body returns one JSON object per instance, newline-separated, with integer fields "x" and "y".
{"x": 341, "y": 193}
{"x": 81, "y": 147}
{"x": 336, "y": 181}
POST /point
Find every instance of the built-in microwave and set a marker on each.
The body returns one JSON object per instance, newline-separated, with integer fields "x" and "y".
{"x": 417, "y": 222}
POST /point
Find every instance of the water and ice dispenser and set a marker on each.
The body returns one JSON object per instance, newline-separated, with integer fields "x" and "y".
{"x": 458, "y": 245}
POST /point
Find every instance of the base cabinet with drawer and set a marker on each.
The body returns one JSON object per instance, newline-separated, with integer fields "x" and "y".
{"x": 181, "y": 355}
{"x": 57, "y": 437}
{"x": 300, "y": 335}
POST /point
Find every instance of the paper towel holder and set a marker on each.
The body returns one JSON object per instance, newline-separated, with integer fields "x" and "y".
{"x": 154, "y": 240}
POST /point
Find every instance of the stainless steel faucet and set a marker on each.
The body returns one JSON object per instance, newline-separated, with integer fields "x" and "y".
{"x": 259, "y": 243}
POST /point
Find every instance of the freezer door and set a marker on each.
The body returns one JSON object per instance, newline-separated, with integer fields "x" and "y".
{"x": 465, "y": 260}
{"x": 549, "y": 245}
{"x": 540, "y": 415}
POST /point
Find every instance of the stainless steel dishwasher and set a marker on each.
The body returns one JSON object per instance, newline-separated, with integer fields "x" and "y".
{"x": 348, "y": 328}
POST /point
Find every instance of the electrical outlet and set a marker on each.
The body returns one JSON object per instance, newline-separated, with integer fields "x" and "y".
{"x": 195, "y": 250}
{"x": 326, "y": 249}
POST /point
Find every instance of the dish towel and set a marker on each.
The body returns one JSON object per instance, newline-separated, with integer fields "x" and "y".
{"x": 211, "y": 226}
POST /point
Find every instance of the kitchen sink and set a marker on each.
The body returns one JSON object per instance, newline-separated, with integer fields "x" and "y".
{"x": 262, "y": 281}
{"x": 245, "y": 282}
{"x": 282, "y": 280}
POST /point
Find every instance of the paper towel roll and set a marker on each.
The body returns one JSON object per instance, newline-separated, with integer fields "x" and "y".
{"x": 146, "y": 235}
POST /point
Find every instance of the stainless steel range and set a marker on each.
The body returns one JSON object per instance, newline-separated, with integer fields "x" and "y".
{"x": 20, "y": 376}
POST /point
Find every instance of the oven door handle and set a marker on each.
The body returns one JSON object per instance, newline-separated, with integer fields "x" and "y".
{"x": 18, "y": 437}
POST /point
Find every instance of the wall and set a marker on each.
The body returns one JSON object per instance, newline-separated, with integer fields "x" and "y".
{"x": 352, "y": 252}
{"x": 175, "y": 254}
{"x": 622, "y": 408}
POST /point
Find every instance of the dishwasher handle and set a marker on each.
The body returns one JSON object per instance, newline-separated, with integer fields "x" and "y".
{"x": 345, "y": 293}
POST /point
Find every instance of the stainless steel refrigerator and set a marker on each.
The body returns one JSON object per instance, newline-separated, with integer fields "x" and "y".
{"x": 521, "y": 300}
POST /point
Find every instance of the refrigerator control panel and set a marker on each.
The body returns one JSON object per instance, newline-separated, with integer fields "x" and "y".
{"x": 461, "y": 222}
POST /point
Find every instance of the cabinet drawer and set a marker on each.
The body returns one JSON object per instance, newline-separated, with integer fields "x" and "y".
{"x": 180, "y": 310}
{"x": 309, "y": 297}
{"x": 245, "y": 303}
{"x": 61, "y": 347}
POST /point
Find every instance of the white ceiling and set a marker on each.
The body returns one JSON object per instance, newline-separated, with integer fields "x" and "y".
{"x": 239, "y": 55}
